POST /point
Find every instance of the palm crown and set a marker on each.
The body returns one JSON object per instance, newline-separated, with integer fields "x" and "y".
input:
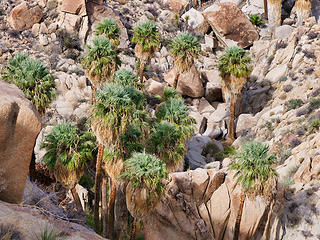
{"x": 184, "y": 49}
{"x": 101, "y": 60}
{"x": 254, "y": 165}
{"x": 147, "y": 37}
{"x": 125, "y": 78}
{"x": 110, "y": 29}
{"x": 68, "y": 147}
{"x": 33, "y": 78}
{"x": 234, "y": 62}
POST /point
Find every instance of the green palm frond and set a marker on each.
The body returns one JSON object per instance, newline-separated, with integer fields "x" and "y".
{"x": 101, "y": 60}
{"x": 169, "y": 93}
{"x": 109, "y": 29}
{"x": 184, "y": 49}
{"x": 126, "y": 78}
{"x": 146, "y": 34}
{"x": 145, "y": 171}
{"x": 234, "y": 62}
{"x": 254, "y": 165}
{"x": 33, "y": 78}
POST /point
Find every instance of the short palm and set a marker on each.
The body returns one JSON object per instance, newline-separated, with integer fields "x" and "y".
{"x": 33, "y": 78}
{"x": 184, "y": 49}
{"x": 109, "y": 29}
{"x": 147, "y": 38}
{"x": 100, "y": 60}
{"x": 125, "y": 78}
{"x": 254, "y": 166}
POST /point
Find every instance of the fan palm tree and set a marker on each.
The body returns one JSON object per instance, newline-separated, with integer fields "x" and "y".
{"x": 113, "y": 111}
{"x": 147, "y": 39}
{"x": 274, "y": 13}
{"x": 255, "y": 174}
{"x": 234, "y": 70}
{"x": 100, "y": 61}
{"x": 303, "y": 8}
{"x": 67, "y": 153}
{"x": 184, "y": 49}
{"x": 109, "y": 29}
{"x": 125, "y": 77}
{"x": 33, "y": 78}
{"x": 145, "y": 174}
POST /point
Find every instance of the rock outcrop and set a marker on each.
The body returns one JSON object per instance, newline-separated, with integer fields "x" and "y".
{"x": 23, "y": 16}
{"x": 231, "y": 25}
{"x": 19, "y": 126}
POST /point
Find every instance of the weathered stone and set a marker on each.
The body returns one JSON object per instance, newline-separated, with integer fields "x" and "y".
{"x": 20, "y": 124}
{"x": 77, "y": 7}
{"x": 196, "y": 21}
{"x": 283, "y": 31}
{"x": 35, "y": 29}
{"x": 189, "y": 82}
{"x": 205, "y": 107}
{"x": 177, "y": 6}
{"x": 275, "y": 74}
{"x": 231, "y": 25}
{"x": 213, "y": 90}
{"x": 154, "y": 88}
{"x": 245, "y": 123}
{"x": 23, "y": 17}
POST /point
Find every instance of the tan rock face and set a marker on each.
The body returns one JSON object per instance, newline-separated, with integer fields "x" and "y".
{"x": 176, "y": 6}
{"x": 74, "y": 6}
{"x": 22, "y": 17}
{"x": 231, "y": 25}
{"x": 189, "y": 82}
{"x": 19, "y": 127}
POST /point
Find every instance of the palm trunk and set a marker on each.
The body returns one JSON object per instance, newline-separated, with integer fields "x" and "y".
{"x": 76, "y": 198}
{"x": 303, "y": 8}
{"x": 232, "y": 113}
{"x": 97, "y": 188}
{"x": 93, "y": 92}
{"x": 112, "y": 199}
{"x": 238, "y": 219}
{"x": 104, "y": 205}
{"x": 274, "y": 14}
{"x": 133, "y": 229}
{"x": 175, "y": 83}
{"x": 265, "y": 5}
{"x": 141, "y": 71}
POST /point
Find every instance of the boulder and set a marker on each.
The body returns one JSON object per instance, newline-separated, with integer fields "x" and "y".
{"x": 23, "y": 16}
{"x": 231, "y": 25}
{"x": 189, "y": 82}
{"x": 177, "y": 6}
{"x": 77, "y": 7}
{"x": 154, "y": 88}
{"x": 196, "y": 21}
{"x": 20, "y": 124}
{"x": 283, "y": 31}
{"x": 275, "y": 74}
{"x": 308, "y": 170}
{"x": 213, "y": 90}
{"x": 245, "y": 123}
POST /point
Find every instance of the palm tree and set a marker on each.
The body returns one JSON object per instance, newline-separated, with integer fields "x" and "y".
{"x": 145, "y": 174}
{"x": 125, "y": 77}
{"x": 33, "y": 78}
{"x": 274, "y": 13}
{"x": 234, "y": 70}
{"x": 101, "y": 62}
{"x": 255, "y": 174}
{"x": 113, "y": 111}
{"x": 109, "y": 29}
{"x": 147, "y": 39}
{"x": 303, "y": 8}
{"x": 67, "y": 153}
{"x": 184, "y": 48}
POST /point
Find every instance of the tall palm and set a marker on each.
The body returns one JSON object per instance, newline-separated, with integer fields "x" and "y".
{"x": 109, "y": 29}
{"x": 254, "y": 172}
{"x": 67, "y": 152}
{"x": 125, "y": 77}
{"x": 100, "y": 61}
{"x": 147, "y": 39}
{"x": 234, "y": 70}
{"x": 184, "y": 48}
{"x": 145, "y": 174}
{"x": 274, "y": 14}
{"x": 113, "y": 111}
{"x": 303, "y": 8}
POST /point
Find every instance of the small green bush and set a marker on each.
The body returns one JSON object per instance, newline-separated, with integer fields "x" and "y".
{"x": 33, "y": 78}
{"x": 256, "y": 20}
{"x": 126, "y": 78}
{"x": 50, "y": 234}
{"x": 294, "y": 104}
{"x": 110, "y": 29}
{"x": 314, "y": 104}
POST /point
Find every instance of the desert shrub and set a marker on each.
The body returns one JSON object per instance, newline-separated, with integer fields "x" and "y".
{"x": 256, "y": 20}
{"x": 281, "y": 44}
{"x": 312, "y": 35}
{"x": 125, "y": 78}
{"x": 283, "y": 79}
{"x": 9, "y": 232}
{"x": 33, "y": 78}
{"x": 67, "y": 40}
{"x": 294, "y": 104}
{"x": 309, "y": 70}
{"x": 50, "y": 234}
{"x": 314, "y": 104}
{"x": 308, "y": 54}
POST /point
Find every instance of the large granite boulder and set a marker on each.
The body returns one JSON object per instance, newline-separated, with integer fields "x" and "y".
{"x": 177, "y": 6}
{"x": 23, "y": 16}
{"x": 19, "y": 126}
{"x": 204, "y": 203}
{"x": 231, "y": 25}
